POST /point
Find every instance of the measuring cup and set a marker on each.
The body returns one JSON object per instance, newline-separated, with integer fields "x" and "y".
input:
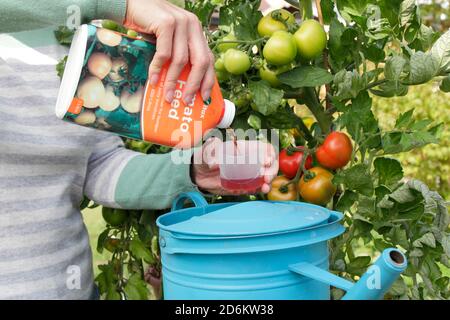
{"x": 240, "y": 167}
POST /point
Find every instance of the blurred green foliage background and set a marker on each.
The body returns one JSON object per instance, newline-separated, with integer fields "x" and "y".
{"x": 430, "y": 164}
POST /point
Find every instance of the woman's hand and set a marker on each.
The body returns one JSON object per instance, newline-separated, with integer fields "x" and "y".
{"x": 206, "y": 165}
{"x": 180, "y": 39}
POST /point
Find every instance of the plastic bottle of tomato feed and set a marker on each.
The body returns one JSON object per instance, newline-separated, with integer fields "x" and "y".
{"x": 105, "y": 87}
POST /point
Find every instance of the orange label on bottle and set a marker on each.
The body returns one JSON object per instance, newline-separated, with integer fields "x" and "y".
{"x": 76, "y": 105}
{"x": 177, "y": 123}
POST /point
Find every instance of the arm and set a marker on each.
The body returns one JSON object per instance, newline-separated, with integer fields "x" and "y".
{"x": 19, "y": 15}
{"x": 121, "y": 178}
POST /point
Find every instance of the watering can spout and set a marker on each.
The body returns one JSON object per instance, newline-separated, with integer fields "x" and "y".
{"x": 374, "y": 283}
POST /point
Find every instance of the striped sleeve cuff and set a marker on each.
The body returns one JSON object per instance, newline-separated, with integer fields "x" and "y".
{"x": 153, "y": 181}
{"x": 112, "y": 9}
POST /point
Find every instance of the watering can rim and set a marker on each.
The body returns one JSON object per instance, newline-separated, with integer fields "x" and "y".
{"x": 331, "y": 217}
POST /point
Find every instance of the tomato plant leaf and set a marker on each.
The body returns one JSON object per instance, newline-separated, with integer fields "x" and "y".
{"x": 140, "y": 251}
{"x": 423, "y": 67}
{"x": 327, "y": 10}
{"x": 102, "y": 239}
{"x": 266, "y": 98}
{"x": 64, "y": 35}
{"x": 427, "y": 239}
{"x": 346, "y": 200}
{"x": 338, "y": 49}
{"x": 408, "y": 9}
{"x": 378, "y": 27}
{"x": 446, "y": 245}
{"x": 107, "y": 281}
{"x": 360, "y": 121}
{"x": 254, "y": 121}
{"x": 306, "y": 76}
{"x": 356, "y": 178}
{"x": 136, "y": 288}
{"x": 398, "y": 288}
{"x": 445, "y": 84}
{"x": 395, "y": 142}
{"x": 389, "y": 171}
{"x": 441, "y": 52}
{"x": 394, "y": 68}
{"x": 351, "y": 8}
{"x": 284, "y": 118}
{"x": 359, "y": 264}
{"x": 404, "y": 120}
{"x": 349, "y": 84}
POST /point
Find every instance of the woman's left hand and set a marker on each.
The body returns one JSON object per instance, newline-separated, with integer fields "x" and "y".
{"x": 206, "y": 172}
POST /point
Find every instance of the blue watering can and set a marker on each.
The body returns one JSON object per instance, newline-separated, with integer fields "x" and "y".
{"x": 259, "y": 250}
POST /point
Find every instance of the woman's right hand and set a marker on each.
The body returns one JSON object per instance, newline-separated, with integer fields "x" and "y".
{"x": 180, "y": 39}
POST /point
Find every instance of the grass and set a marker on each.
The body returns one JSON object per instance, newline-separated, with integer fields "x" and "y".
{"x": 95, "y": 225}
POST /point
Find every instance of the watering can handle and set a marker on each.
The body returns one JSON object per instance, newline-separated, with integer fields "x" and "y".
{"x": 195, "y": 197}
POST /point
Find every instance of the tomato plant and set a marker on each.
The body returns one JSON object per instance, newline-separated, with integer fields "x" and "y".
{"x": 373, "y": 48}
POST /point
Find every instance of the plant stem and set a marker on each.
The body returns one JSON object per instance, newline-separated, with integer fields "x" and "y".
{"x": 307, "y": 134}
{"x": 375, "y": 83}
{"x": 238, "y": 41}
{"x": 317, "y": 110}
{"x": 319, "y": 11}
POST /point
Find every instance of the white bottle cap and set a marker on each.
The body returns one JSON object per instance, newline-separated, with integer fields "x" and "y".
{"x": 72, "y": 71}
{"x": 228, "y": 115}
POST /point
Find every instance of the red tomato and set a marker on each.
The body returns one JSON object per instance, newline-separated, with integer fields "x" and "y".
{"x": 336, "y": 151}
{"x": 289, "y": 163}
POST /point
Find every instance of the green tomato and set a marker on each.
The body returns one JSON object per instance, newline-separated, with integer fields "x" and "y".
{"x": 219, "y": 65}
{"x": 271, "y": 74}
{"x": 236, "y": 61}
{"x": 109, "y": 24}
{"x": 242, "y": 100}
{"x": 114, "y": 217}
{"x": 311, "y": 39}
{"x": 280, "y": 49}
{"x": 268, "y": 25}
{"x": 223, "y": 47}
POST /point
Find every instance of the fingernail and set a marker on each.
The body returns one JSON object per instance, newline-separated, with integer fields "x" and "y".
{"x": 206, "y": 95}
{"x": 154, "y": 79}
{"x": 169, "y": 95}
{"x": 188, "y": 98}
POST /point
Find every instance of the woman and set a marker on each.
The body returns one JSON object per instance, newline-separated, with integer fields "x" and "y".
{"x": 46, "y": 165}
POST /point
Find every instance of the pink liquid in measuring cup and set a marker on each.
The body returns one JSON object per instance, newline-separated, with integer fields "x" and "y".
{"x": 245, "y": 185}
{"x": 239, "y": 171}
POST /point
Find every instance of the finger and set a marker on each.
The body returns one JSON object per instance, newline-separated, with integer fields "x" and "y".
{"x": 208, "y": 80}
{"x": 265, "y": 188}
{"x": 164, "y": 36}
{"x": 180, "y": 56}
{"x": 200, "y": 60}
{"x": 210, "y": 153}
